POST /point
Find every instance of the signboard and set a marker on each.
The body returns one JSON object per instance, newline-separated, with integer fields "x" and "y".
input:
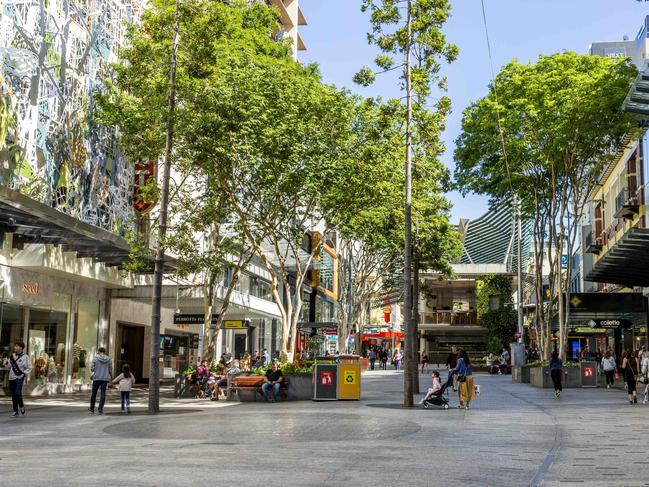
{"x": 608, "y": 303}
{"x": 192, "y": 319}
{"x": 144, "y": 173}
{"x": 564, "y": 261}
{"x": 588, "y": 374}
{"x": 236, "y": 324}
{"x": 349, "y": 381}
{"x": 326, "y": 382}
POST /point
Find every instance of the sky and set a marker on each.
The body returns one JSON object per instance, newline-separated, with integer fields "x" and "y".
{"x": 336, "y": 39}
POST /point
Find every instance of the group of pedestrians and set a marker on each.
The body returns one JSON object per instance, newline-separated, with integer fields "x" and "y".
{"x": 20, "y": 366}
{"x": 382, "y": 355}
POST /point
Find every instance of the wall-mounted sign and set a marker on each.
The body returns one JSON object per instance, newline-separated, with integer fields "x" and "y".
{"x": 193, "y": 319}
{"x": 30, "y": 287}
{"x": 236, "y": 324}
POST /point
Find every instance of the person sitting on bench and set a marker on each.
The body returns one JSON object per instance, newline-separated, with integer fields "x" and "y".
{"x": 272, "y": 382}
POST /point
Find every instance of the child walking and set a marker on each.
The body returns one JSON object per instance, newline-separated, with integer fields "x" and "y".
{"x": 125, "y": 382}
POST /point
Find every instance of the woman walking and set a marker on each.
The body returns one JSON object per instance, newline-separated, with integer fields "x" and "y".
{"x": 125, "y": 382}
{"x": 466, "y": 389}
{"x": 396, "y": 358}
{"x": 556, "y": 372}
{"x": 630, "y": 367}
{"x": 424, "y": 361}
{"x": 608, "y": 366}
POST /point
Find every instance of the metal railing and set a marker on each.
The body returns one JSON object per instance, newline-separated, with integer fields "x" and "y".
{"x": 453, "y": 318}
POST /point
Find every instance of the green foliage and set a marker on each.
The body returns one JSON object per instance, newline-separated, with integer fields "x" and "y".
{"x": 492, "y": 285}
{"x": 501, "y": 326}
{"x": 295, "y": 368}
{"x": 559, "y": 115}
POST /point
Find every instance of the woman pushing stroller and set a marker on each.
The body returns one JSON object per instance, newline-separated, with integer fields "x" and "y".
{"x": 466, "y": 389}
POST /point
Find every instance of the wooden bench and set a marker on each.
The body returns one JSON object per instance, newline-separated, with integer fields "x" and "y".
{"x": 252, "y": 383}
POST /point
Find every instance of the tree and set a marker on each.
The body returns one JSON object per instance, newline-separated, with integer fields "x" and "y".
{"x": 498, "y": 318}
{"x": 413, "y": 32}
{"x": 544, "y": 132}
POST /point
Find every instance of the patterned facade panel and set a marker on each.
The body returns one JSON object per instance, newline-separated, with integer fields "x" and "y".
{"x": 53, "y": 57}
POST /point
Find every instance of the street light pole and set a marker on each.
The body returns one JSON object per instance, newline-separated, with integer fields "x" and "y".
{"x": 156, "y": 301}
{"x": 519, "y": 268}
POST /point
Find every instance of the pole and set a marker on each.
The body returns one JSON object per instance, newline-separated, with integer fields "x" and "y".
{"x": 415, "y": 324}
{"x": 520, "y": 268}
{"x": 350, "y": 296}
{"x": 156, "y": 301}
{"x": 408, "y": 400}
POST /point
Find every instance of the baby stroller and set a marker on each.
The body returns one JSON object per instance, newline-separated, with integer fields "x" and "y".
{"x": 439, "y": 398}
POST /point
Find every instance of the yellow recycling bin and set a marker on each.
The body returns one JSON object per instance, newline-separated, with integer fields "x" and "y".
{"x": 349, "y": 381}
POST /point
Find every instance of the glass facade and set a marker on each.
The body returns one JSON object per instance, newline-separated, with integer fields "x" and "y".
{"x": 84, "y": 345}
{"x": 46, "y": 341}
{"x": 61, "y": 352}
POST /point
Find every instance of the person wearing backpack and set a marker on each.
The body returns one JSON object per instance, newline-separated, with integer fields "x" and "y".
{"x": 19, "y": 365}
{"x": 125, "y": 382}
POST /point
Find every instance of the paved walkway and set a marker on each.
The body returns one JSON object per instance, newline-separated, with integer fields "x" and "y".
{"x": 514, "y": 435}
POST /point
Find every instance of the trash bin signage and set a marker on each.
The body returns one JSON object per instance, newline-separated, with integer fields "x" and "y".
{"x": 326, "y": 382}
{"x": 588, "y": 374}
{"x": 349, "y": 381}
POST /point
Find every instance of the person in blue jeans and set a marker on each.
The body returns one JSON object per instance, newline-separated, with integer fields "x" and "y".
{"x": 272, "y": 383}
{"x": 102, "y": 370}
{"x": 20, "y": 366}
{"x": 556, "y": 371}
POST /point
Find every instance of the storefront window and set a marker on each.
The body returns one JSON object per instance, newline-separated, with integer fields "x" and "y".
{"x": 11, "y": 331}
{"x": 46, "y": 338}
{"x": 327, "y": 271}
{"x": 84, "y": 346}
{"x": 175, "y": 350}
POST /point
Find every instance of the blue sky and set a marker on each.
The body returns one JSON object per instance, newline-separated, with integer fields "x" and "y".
{"x": 521, "y": 29}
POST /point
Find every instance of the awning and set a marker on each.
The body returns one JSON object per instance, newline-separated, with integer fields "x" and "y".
{"x": 32, "y": 222}
{"x": 627, "y": 263}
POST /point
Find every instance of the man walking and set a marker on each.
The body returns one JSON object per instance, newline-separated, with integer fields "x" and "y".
{"x": 19, "y": 365}
{"x": 102, "y": 370}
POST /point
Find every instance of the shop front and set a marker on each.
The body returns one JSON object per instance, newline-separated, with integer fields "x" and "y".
{"x": 59, "y": 321}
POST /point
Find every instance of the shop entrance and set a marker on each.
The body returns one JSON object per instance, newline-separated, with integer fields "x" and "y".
{"x": 239, "y": 345}
{"x": 130, "y": 340}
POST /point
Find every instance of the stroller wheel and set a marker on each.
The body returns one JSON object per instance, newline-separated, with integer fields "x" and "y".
{"x": 425, "y": 405}
{"x": 445, "y": 406}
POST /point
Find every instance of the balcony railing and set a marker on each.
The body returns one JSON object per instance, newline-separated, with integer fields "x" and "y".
{"x": 592, "y": 245}
{"x": 625, "y": 205}
{"x": 452, "y": 318}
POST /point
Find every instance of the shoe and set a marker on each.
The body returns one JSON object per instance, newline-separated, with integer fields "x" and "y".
{"x": 22, "y": 410}
{"x": 128, "y": 409}
{"x": 122, "y": 413}
{"x": 466, "y": 407}
{"x": 101, "y": 411}
{"x": 91, "y": 411}
{"x": 459, "y": 406}
{"x": 608, "y": 386}
{"x": 635, "y": 401}
{"x": 15, "y": 414}
{"x": 631, "y": 402}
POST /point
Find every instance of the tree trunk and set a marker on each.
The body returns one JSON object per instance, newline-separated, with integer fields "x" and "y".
{"x": 408, "y": 376}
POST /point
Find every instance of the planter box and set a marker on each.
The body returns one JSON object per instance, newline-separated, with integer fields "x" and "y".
{"x": 521, "y": 375}
{"x": 300, "y": 387}
{"x": 540, "y": 377}
{"x": 182, "y": 387}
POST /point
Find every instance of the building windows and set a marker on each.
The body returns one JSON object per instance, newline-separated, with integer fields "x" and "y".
{"x": 84, "y": 346}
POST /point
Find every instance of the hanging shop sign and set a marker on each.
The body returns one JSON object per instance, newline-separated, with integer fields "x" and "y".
{"x": 193, "y": 319}
{"x": 236, "y": 324}
{"x": 144, "y": 173}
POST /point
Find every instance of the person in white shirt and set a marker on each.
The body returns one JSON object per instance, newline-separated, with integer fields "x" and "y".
{"x": 608, "y": 366}
{"x": 19, "y": 365}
